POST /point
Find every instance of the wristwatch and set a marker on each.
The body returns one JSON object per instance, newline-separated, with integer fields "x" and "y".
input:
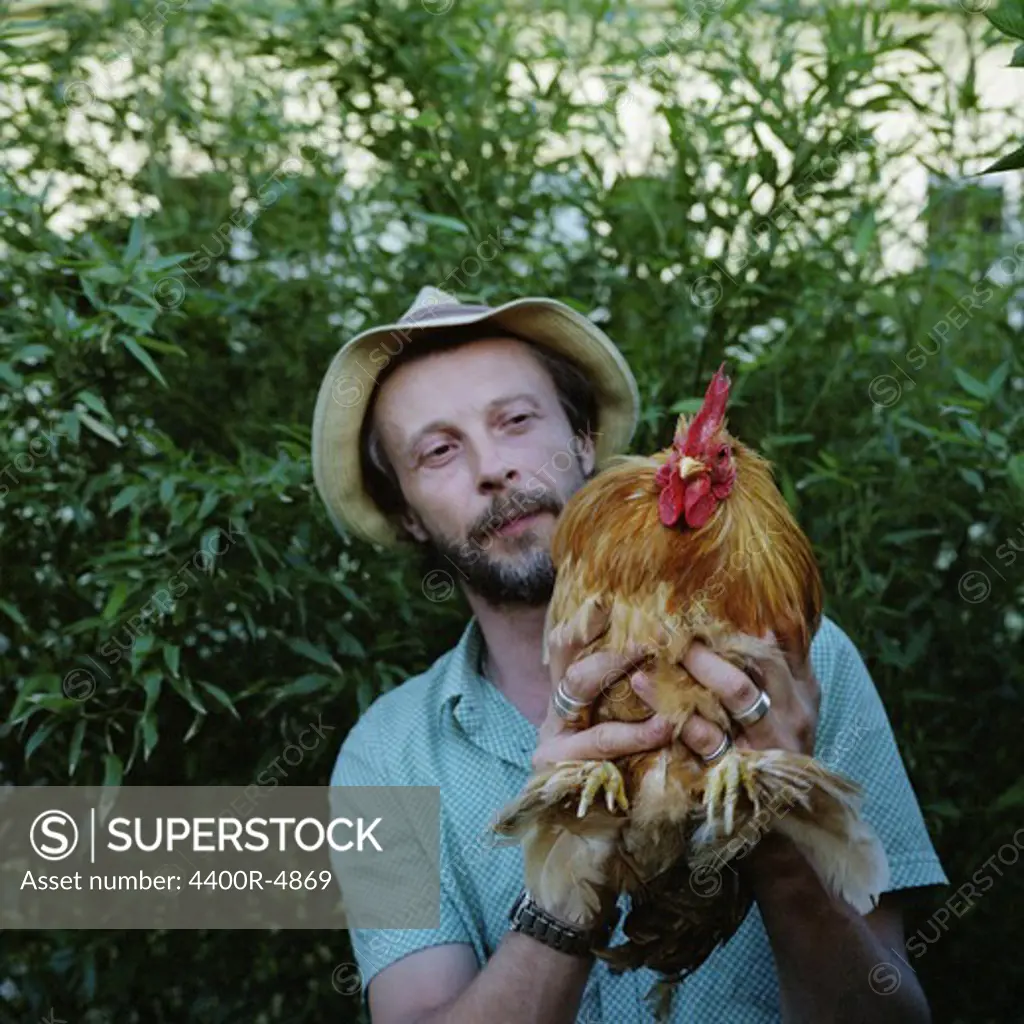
{"x": 528, "y": 918}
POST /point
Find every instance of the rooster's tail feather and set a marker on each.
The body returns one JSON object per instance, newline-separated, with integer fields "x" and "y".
{"x": 752, "y": 791}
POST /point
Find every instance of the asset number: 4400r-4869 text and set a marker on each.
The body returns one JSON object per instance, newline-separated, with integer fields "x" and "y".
{"x": 254, "y": 880}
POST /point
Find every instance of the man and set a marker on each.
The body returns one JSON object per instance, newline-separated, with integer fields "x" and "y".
{"x": 464, "y": 430}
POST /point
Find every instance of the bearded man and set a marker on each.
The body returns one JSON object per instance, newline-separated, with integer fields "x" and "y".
{"x": 463, "y": 430}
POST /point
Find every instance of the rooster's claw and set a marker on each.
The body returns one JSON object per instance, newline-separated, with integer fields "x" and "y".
{"x": 602, "y": 775}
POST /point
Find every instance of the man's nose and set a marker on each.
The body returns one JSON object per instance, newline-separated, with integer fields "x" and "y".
{"x": 494, "y": 473}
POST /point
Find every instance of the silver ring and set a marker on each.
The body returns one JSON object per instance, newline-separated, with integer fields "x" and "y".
{"x": 755, "y": 712}
{"x": 567, "y": 707}
{"x": 718, "y": 751}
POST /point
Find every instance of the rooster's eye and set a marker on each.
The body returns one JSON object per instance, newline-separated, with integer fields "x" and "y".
{"x": 724, "y": 452}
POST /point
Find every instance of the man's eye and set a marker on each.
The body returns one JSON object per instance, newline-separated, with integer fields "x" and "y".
{"x": 519, "y": 418}
{"x": 437, "y": 452}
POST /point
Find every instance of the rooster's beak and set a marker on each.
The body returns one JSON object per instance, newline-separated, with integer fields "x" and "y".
{"x": 689, "y": 466}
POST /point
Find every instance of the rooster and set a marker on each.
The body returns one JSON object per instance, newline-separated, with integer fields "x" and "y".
{"x": 692, "y": 543}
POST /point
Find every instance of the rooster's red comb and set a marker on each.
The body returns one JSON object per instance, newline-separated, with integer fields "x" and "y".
{"x": 711, "y": 416}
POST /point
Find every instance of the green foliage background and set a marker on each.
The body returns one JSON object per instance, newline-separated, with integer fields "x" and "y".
{"x": 200, "y": 201}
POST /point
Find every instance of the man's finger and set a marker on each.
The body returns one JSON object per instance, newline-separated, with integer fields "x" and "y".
{"x": 776, "y": 672}
{"x": 701, "y": 736}
{"x": 644, "y": 688}
{"x": 734, "y": 688}
{"x": 587, "y": 677}
{"x": 610, "y": 740}
{"x": 566, "y": 640}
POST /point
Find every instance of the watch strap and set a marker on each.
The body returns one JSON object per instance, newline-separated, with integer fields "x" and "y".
{"x": 528, "y": 918}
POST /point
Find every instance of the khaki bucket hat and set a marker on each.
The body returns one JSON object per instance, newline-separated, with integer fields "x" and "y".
{"x": 348, "y": 387}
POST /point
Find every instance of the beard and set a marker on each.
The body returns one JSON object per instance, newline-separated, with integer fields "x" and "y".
{"x": 525, "y": 576}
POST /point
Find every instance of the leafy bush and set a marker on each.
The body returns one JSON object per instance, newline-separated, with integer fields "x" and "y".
{"x": 199, "y": 203}
{"x": 1008, "y": 17}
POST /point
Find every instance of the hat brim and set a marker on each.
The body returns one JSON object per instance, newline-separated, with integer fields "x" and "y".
{"x": 348, "y": 387}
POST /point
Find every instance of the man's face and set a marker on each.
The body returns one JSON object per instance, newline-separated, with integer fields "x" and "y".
{"x": 486, "y": 459}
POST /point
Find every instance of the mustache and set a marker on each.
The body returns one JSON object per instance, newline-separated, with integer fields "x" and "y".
{"x": 514, "y": 506}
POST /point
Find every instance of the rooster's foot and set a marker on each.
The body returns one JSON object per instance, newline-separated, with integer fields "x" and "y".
{"x": 722, "y": 789}
{"x": 594, "y": 776}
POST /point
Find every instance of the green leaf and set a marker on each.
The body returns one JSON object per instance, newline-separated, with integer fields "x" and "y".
{"x": 970, "y": 429}
{"x": 135, "y": 239}
{"x": 428, "y": 119}
{"x": 151, "y": 683}
{"x": 166, "y": 491}
{"x": 208, "y": 547}
{"x": 1011, "y": 162}
{"x": 37, "y": 738}
{"x": 184, "y": 687}
{"x": 172, "y": 658}
{"x": 145, "y": 297}
{"x": 220, "y": 696}
{"x": 439, "y": 221}
{"x": 16, "y": 616}
{"x": 196, "y": 725}
{"x": 865, "y": 233}
{"x": 59, "y": 316}
{"x": 785, "y": 440}
{"x": 95, "y": 403}
{"x": 1015, "y": 470}
{"x": 75, "y": 748}
{"x": 163, "y": 262}
{"x": 150, "y": 737}
{"x": 98, "y": 428}
{"x": 904, "y": 536}
{"x": 113, "y": 772}
{"x": 1007, "y": 19}
{"x": 970, "y": 384}
{"x": 36, "y": 352}
{"x": 1017, "y": 60}
{"x": 687, "y": 406}
{"x": 306, "y": 649}
{"x": 141, "y": 646}
{"x": 350, "y": 645}
{"x": 124, "y": 498}
{"x": 143, "y": 357}
{"x": 105, "y": 275}
{"x": 997, "y": 378}
{"x": 115, "y": 601}
{"x": 10, "y": 376}
{"x": 305, "y": 685}
{"x": 30, "y": 688}
{"x": 973, "y": 477}
{"x": 207, "y": 505}
{"x": 944, "y": 809}
{"x": 162, "y": 347}
{"x": 89, "y": 290}
{"x": 139, "y": 317}
{"x": 1012, "y": 797}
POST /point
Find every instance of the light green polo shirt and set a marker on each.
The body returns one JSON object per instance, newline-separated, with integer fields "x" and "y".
{"x": 450, "y": 727}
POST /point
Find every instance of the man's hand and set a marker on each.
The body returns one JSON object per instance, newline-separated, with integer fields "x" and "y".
{"x": 790, "y": 723}
{"x": 584, "y": 678}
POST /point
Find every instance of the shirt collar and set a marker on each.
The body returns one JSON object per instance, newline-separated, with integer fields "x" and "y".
{"x": 483, "y": 713}
{"x": 461, "y": 678}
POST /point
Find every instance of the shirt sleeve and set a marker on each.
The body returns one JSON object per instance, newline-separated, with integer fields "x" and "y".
{"x": 855, "y": 739}
{"x": 362, "y": 762}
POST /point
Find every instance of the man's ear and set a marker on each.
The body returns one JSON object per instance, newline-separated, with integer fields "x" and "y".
{"x": 414, "y": 525}
{"x": 588, "y": 456}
